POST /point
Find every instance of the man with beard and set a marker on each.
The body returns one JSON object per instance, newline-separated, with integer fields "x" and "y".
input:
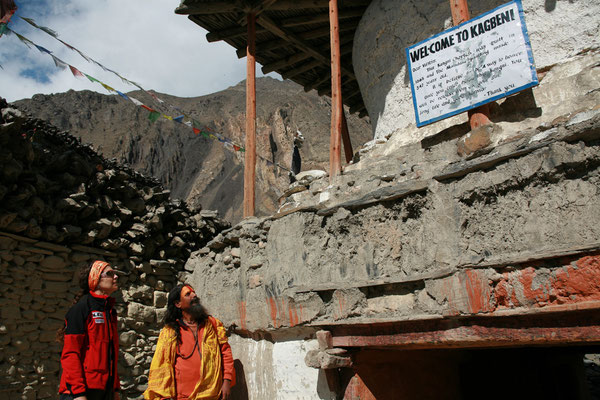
{"x": 193, "y": 359}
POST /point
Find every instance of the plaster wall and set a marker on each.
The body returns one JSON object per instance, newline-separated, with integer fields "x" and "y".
{"x": 558, "y": 30}
{"x": 276, "y": 370}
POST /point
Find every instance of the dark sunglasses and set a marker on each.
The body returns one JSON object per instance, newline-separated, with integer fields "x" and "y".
{"x": 109, "y": 274}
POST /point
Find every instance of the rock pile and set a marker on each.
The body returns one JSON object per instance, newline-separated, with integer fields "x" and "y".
{"x": 61, "y": 206}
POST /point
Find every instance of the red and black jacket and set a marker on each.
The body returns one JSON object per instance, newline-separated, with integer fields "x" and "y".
{"x": 91, "y": 346}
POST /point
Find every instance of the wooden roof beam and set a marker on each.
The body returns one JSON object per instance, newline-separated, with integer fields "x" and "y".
{"x": 303, "y": 68}
{"x": 220, "y": 7}
{"x": 213, "y": 7}
{"x": 229, "y": 33}
{"x": 268, "y": 45}
{"x": 301, "y": 44}
{"x": 284, "y": 62}
{"x": 291, "y": 60}
{"x": 283, "y": 5}
{"x": 320, "y": 82}
{"x": 318, "y": 18}
{"x": 357, "y": 107}
{"x": 326, "y": 90}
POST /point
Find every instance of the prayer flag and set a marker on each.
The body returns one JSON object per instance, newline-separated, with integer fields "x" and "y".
{"x": 179, "y": 119}
{"x": 188, "y": 123}
{"x": 76, "y": 73}
{"x": 147, "y": 108}
{"x": 153, "y": 116}
{"x": 42, "y": 49}
{"x": 107, "y": 87}
{"x": 168, "y": 117}
{"x": 49, "y": 31}
{"x": 155, "y": 97}
{"x": 68, "y": 45}
{"x": 23, "y": 39}
{"x": 123, "y": 95}
{"x": 136, "y": 101}
{"x": 92, "y": 79}
{"x": 196, "y": 130}
{"x": 2, "y": 29}
{"x": 58, "y": 62}
{"x": 236, "y": 148}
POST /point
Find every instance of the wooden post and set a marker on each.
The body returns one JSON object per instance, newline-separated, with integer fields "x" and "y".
{"x": 460, "y": 13}
{"x": 250, "y": 154}
{"x": 335, "y": 166}
{"x": 346, "y": 138}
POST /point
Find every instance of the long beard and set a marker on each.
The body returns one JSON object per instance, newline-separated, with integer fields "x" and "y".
{"x": 198, "y": 312}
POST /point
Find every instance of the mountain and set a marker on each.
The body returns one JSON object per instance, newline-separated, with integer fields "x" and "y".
{"x": 197, "y": 169}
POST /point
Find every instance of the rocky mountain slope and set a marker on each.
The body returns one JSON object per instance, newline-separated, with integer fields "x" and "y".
{"x": 197, "y": 169}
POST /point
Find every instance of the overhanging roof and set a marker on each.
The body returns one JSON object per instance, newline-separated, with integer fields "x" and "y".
{"x": 292, "y": 38}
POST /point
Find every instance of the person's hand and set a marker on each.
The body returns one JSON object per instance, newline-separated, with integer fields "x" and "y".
{"x": 80, "y": 398}
{"x": 226, "y": 389}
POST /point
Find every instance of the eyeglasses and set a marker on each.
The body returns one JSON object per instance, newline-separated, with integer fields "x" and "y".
{"x": 109, "y": 274}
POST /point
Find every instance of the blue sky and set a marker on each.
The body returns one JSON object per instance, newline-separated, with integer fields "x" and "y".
{"x": 143, "y": 40}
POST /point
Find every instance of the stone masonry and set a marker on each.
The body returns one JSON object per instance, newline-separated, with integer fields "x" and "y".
{"x": 62, "y": 206}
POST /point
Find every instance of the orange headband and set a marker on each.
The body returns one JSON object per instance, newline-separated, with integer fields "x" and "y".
{"x": 94, "y": 276}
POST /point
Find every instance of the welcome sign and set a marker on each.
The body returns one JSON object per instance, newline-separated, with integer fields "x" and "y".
{"x": 476, "y": 62}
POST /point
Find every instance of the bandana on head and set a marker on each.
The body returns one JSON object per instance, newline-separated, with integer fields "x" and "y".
{"x": 94, "y": 276}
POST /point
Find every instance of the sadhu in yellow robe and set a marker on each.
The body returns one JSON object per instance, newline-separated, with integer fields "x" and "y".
{"x": 216, "y": 364}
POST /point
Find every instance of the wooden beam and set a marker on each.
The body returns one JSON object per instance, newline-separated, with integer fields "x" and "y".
{"x": 250, "y": 153}
{"x": 258, "y": 9}
{"x": 346, "y": 138}
{"x": 268, "y": 45}
{"x": 477, "y": 336}
{"x": 301, "y": 69}
{"x": 298, "y": 42}
{"x": 460, "y": 13}
{"x": 229, "y": 33}
{"x": 318, "y": 83}
{"x": 317, "y": 18}
{"x": 221, "y": 7}
{"x": 214, "y": 7}
{"x": 356, "y": 107}
{"x": 326, "y": 91}
{"x": 335, "y": 165}
{"x": 291, "y": 60}
{"x": 284, "y": 62}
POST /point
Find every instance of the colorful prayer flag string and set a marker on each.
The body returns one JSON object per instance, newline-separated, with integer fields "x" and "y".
{"x": 153, "y": 116}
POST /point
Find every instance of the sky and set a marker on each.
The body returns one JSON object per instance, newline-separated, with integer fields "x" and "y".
{"x": 143, "y": 40}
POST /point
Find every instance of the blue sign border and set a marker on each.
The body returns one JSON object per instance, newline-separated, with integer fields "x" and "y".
{"x": 534, "y": 78}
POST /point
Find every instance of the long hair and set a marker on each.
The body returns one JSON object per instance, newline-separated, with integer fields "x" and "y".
{"x": 84, "y": 287}
{"x": 174, "y": 314}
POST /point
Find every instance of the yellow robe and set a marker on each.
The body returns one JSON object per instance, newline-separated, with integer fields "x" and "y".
{"x": 161, "y": 378}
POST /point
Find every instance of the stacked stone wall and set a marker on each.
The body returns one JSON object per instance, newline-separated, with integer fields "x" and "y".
{"x": 62, "y": 206}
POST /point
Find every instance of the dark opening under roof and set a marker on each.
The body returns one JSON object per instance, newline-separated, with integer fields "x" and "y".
{"x": 292, "y": 38}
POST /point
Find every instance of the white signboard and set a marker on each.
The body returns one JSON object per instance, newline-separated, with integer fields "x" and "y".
{"x": 471, "y": 64}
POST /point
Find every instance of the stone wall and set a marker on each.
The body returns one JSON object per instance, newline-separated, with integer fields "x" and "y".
{"x": 558, "y": 30}
{"x": 498, "y": 223}
{"x": 61, "y": 206}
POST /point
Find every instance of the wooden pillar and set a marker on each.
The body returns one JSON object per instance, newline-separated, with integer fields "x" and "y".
{"x": 460, "y": 13}
{"x": 335, "y": 166}
{"x": 250, "y": 154}
{"x": 346, "y": 138}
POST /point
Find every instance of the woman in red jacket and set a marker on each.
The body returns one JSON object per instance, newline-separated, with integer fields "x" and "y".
{"x": 90, "y": 339}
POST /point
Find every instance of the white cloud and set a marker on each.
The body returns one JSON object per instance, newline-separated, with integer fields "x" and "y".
{"x": 143, "y": 40}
